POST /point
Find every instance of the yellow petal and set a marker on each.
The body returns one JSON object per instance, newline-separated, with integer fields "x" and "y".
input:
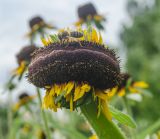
{"x": 77, "y": 93}
{"x": 101, "y": 94}
{"x": 45, "y": 43}
{"x": 71, "y": 103}
{"x": 21, "y": 68}
{"x": 48, "y": 101}
{"x": 79, "y": 23}
{"x": 133, "y": 90}
{"x": 140, "y": 84}
{"x": 58, "y": 89}
{"x": 105, "y": 110}
{"x": 94, "y": 35}
{"x": 93, "y": 137}
{"x": 52, "y": 91}
{"x": 68, "y": 88}
{"x": 98, "y": 17}
{"x": 100, "y": 40}
{"x": 80, "y": 91}
{"x": 121, "y": 92}
{"x": 111, "y": 92}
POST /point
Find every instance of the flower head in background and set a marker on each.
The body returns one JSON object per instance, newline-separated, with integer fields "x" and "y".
{"x": 23, "y": 59}
{"x": 128, "y": 85}
{"x": 88, "y": 14}
{"x": 41, "y": 134}
{"x": 75, "y": 68}
{"x": 24, "y": 98}
{"x": 38, "y": 25}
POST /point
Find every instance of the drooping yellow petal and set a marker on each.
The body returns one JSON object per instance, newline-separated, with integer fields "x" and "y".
{"x": 101, "y": 94}
{"x": 94, "y": 35}
{"x": 121, "y": 92}
{"x": 21, "y": 68}
{"x": 105, "y": 109}
{"x": 71, "y": 103}
{"x": 68, "y": 88}
{"x": 58, "y": 89}
{"x": 133, "y": 90}
{"x": 140, "y": 84}
{"x": 100, "y": 39}
{"x": 48, "y": 101}
{"x": 98, "y": 17}
{"x": 80, "y": 91}
{"x": 52, "y": 91}
{"x": 111, "y": 92}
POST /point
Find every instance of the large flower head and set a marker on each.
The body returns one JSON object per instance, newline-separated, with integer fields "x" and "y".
{"x": 75, "y": 68}
{"x": 87, "y": 13}
{"x": 128, "y": 85}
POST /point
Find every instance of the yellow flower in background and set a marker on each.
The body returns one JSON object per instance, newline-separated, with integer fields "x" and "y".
{"x": 87, "y": 14}
{"x": 24, "y": 98}
{"x": 37, "y": 25}
{"x": 134, "y": 86}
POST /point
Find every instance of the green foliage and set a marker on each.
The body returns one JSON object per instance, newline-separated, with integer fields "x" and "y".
{"x": 142, "y": 42}
{"x": 122, "y": 117}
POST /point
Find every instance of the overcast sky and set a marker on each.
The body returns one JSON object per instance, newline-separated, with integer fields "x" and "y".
{"x": 14, "y": 15}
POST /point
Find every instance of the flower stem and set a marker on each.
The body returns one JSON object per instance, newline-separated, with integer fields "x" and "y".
{"x": 44, "y": 116}
{"x": 104, "y": 128}
{"x": 151, "y": 129}
{"x": 10, "y": 116}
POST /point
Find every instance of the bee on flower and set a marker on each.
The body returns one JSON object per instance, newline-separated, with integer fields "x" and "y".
{"x": 75, "y": 72}
{"x": 88, "y": 14}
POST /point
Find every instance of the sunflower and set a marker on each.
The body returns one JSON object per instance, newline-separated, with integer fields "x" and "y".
{"x": 24, "y": 98}
{"x": 128, "y": 85}
{"x": 75, "y": 70}
{"x": 87, "y": 13}
{"x": 38, "y": 25}
{"x": 23, "y": 59}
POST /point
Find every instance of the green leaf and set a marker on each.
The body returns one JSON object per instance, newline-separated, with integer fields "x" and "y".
{"x": 122, "y": 118}
{"x": 54, "y": 38}
{"x": 104, "y": 128}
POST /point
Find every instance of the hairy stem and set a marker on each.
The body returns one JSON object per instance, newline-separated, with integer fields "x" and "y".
{"x": 104, "y": 128}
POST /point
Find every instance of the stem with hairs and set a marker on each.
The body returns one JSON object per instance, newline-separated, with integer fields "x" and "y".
{"x": 104, "y": 128}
